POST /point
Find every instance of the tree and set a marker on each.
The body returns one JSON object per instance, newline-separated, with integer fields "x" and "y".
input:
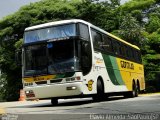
{"x": 130, "y": 30}
{"x": 153, "y": 24}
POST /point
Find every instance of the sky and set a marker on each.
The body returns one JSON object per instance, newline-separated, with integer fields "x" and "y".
{"x": 10, "y": 6}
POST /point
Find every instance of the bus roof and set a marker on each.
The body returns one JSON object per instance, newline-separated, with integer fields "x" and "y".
{"x": 77, "y": 21}
{"x": 55, "y": 23}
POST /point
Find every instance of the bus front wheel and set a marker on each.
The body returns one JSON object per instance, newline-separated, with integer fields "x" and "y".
{"x": 100, "y": 91}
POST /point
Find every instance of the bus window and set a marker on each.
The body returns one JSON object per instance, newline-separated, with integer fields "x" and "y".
{"x": 84, "y": 31}
{"x": 130, "y": 53}
{"x": 86, "y": 57}
{"x": 116, "y": 48}
{"x": 139, "y": 57}
{"x": 136, "y": 55}
{"x": 107, "y": 43}
{"x": 123, "y": 48}
{"x": 119, "y": 48}
{"x": 127, "y": 52}
{"x": 97, "y": 39}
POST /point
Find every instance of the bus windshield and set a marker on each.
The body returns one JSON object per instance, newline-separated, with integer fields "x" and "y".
{"x": 50, "y": 58}
{"x": 49, "y": 33}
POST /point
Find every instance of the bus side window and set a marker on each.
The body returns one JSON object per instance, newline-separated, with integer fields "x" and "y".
{"x": 116, "y": 48}
{"x": 131, "y": 55}
{"x": 136, "y": 55}
{"x": 123, "y": 48}
{"x": 84, "y": 31}
{"x": 86, "y": 57}
{"x": 97, "y": 40}
{"x": 119, "y": 48}
{"x": 127, "y": 52}
{"x": 107, "y": 44}
{"x": 139, "y": 57}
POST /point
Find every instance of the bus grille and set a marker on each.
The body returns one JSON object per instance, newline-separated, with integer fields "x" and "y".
{"x": 56, "y": 81}
{"x": 41, "y": 82}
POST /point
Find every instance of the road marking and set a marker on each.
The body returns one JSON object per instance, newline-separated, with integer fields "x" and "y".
{"x": 2, "y": 111}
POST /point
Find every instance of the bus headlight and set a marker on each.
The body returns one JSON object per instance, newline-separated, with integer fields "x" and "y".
{"x": 71, "y": 88}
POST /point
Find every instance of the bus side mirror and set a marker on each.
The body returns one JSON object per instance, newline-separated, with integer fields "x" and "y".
{"x": 18, "y": 57}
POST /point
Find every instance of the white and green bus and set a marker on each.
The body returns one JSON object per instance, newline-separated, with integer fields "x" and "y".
{"x": 73, "y": 58}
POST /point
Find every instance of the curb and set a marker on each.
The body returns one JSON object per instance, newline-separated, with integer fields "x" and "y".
{"x": 149, "y": 94}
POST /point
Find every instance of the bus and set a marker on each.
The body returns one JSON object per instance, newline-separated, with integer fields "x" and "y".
{"x": 73, "y": 58}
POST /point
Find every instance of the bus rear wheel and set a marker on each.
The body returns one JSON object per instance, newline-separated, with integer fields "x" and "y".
{"x": 134, "y": 92}
{"x": 100, "y": 91}
{"x": 54, "y": 101}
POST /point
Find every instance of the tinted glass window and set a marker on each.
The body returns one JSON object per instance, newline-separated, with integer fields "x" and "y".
{"x": 107, "y": 43}
{"x": 119, "y": 48}
{"x": 130, "y": 53}
{"x": 97, "y": 39}
{"x": 139, "y": 57}
{"x": 86, "y": 57}
{"x": 55, "y": 32}
{"x": 83, "y": 31}
{"x": 123, "y": 48}
{"x": 116, "y": 47}
{"x": 127, "y": 52}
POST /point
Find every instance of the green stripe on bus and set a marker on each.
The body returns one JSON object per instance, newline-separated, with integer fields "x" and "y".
{"x": 116, "y": 70}
{"x": 113, "y": 70}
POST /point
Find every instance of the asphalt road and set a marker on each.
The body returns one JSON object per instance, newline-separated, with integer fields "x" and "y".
{"x": 145, "y": 107}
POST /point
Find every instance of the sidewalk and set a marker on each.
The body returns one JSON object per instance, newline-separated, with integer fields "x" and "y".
{"x": 148, "y": 94}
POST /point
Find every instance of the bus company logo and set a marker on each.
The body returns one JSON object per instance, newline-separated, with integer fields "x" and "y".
{"x": 127, "y": 65}
{"x": 98, "y": 60}
{"x": 89, "y": 85}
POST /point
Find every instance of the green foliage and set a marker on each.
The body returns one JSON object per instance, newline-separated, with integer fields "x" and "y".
{"x": 151, "y": 60}
{"x": 137, "y": 14}
{"x": 153, "y": 24}
{"x": 137, "y": 5}
{"x": 130, "y": 30}
{"x": 3, "y": 83}
{"x": 18, "y": 44}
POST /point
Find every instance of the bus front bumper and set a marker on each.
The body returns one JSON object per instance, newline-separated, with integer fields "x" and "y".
{"x": 53, "y": 90}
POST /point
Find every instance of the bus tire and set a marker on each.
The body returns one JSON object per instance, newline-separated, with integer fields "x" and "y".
{"x": 138, "y": 86}
{"x": 134, "y": 92}
{"x": 137, "y": 90}
{"x": 54, "y": 101}
{"x": 100, "y": 91}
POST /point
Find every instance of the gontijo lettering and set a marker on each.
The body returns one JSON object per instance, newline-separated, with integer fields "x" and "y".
{"x": 127, "y": 65}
